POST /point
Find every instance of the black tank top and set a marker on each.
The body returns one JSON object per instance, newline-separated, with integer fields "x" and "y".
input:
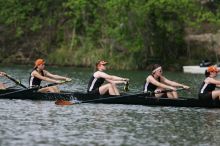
{"x": 94, "y": 83}
{"x": 33, "y": 81}
{"x": 149, "y": 86}
{"x": 206, "y": 88}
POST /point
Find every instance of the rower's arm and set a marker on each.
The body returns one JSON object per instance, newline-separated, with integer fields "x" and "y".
{"x": 39, "y": 76}
{"x": 111, "y": 78}
{"x": 50, "y": 75}
{"x": 159, "y": 84}
{"x": 116, "y": 78}
{"x": 174, "y": 84}
{"x": 116, "y": 82}
{"x": 214, "y": 81}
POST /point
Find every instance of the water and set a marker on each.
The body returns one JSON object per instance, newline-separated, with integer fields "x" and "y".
{"x": 25, "y": 122}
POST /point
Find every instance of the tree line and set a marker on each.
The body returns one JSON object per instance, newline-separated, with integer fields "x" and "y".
{"x": 131, "y": 34}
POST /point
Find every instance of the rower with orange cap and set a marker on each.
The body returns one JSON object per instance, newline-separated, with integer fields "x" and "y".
{"x": 207, "y": 90}
{"x": 96, "y": 85}
{"x": 39, "y": 73}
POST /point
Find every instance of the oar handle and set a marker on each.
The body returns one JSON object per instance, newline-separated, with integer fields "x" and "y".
{"x": 53, "y": 84}
{"x": 177, "y": 89}
{"x": 126, "y": 86}
{"x": 164, "y": 91}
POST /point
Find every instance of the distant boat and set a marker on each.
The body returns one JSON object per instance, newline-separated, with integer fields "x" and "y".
{"x": 195, "y": 69}
{"x": 198, "y": 69}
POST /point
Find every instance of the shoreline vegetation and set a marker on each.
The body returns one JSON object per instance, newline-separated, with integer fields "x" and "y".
{"x": 129, "y": 34}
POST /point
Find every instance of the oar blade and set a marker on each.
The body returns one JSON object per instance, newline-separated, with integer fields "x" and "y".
{"x": 63, "y": 102}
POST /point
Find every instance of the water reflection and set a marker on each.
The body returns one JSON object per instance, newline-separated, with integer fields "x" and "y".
{"x": 44, "y": 123}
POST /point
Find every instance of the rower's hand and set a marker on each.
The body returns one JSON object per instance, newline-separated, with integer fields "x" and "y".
{"x": 158, "y": 91}
{"x": 68, "y": 79}
{"x": 172, "y": 88}
{"x": 2, "y": 73}
{"x": 125, "y": 79}
{"x": 60, "y": 82}
{"x": 126, "y": 87}
{"x": 186, "y": 87}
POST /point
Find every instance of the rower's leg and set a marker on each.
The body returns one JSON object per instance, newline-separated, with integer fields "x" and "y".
{"x": 115, "y": 89}
{"x": 216, "y": 94}
{"x": 55, "y": 89}
{"x": 2, "y": 86}
{"x": 107, "y": 88}
{"x": 172, "y": 95}
{"x": 175, "y": 95}
{"x": 52, "y": 89}
{"x": 158, "y": 90}
{"x": 159, "y": 95}
{"x": 44, "y": 90}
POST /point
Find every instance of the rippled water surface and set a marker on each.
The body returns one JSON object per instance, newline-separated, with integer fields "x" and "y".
{"x": 31, "y": 123}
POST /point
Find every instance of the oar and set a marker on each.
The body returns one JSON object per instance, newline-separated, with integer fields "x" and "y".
{"x": 126, "y": 86}
{"x": 15, "y": 81}
{"x": 28, "y": 90}
{"x": 65, "y": 102}
{"x": 165, "y": 91}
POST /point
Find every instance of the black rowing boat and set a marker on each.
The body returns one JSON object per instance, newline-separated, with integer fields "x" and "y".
{"x": 131, "y": 99}
{"x": 29, "y": 94}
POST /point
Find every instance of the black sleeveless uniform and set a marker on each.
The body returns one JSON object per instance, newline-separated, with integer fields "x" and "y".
{"x": 94, "y": 84}
{"x": 33, "y": 81}
{"x": 205, "y": 91}
{"x": 149, "y": 87}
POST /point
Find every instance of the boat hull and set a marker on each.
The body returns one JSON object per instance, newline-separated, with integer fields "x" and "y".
{"x": 34, "y": 95}
{"x": 130, "y": 99}
{"x": 143, "y": 99}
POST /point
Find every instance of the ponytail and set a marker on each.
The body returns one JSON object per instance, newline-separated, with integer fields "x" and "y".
{"x": 207, "y": 74}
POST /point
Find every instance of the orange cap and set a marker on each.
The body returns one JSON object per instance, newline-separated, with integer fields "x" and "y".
{"x": 39, "y": 62}
{"x": 212, "y": 69}
{"x": 101, "y": 62}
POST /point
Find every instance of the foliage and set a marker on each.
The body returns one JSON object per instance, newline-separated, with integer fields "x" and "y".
{"x": 78, "y": 32}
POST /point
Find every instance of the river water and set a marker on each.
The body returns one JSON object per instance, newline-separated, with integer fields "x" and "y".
{"x": 31, "y": 123}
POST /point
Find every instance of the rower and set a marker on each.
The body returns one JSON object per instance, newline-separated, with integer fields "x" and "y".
{"x": 156, "y": 82}
{"x": 96, "y": 86}
{"x": 207, "y": 90}
{"x": 2, "y": 86}
{"x": 39, "y": 73}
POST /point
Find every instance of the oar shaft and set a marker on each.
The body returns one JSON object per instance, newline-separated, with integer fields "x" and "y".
{"x": 15, "y": 81}
{"x": 169, "y": 90}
